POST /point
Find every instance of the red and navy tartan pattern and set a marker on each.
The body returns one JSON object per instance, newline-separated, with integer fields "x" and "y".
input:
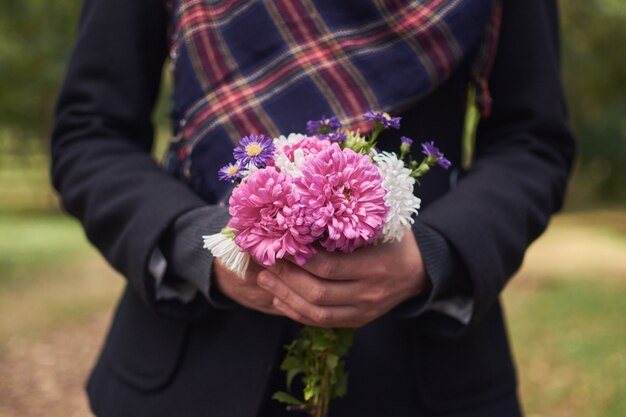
{"x": 252, "y": 66}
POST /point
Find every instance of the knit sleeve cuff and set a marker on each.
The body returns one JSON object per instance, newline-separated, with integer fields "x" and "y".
{"x": 451, "y": 290}
{"x": 188, "y": 266}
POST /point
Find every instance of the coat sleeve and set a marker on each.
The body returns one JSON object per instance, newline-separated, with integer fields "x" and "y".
{"x": 101, "y": 163}
{"x": 524, "y": 153}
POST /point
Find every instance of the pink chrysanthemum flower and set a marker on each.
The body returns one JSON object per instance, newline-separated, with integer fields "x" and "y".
{"x": 268, "y": 220}
{"x": 343, "y": 198}
{"x": 309, "y": 146}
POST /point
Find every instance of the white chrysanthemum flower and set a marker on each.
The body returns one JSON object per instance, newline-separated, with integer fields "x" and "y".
{"x": 402, "y": 203}
{"x": 249, "y": 170}
{"x": 291, "y": 139}
{"x": 222, "y": 245}
{"x": 284, "y": 164}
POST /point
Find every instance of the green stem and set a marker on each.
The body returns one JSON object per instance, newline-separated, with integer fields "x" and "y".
{"x": 325, "y": 388}
{"x": 422, "y": 169}
{"x": 371, "y": 141}
{"x": 323, "y": 400}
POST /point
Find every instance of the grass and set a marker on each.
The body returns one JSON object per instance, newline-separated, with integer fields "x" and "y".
{"x": 49, "y": 276}
{"x": 565, "y": 308}
{"x": 30, "y": 245}
{"x": 56, "y": 295}
{"x": 567, "y": 318}
{"x": 53, "y": 302}
{"x": 569, "y": 339}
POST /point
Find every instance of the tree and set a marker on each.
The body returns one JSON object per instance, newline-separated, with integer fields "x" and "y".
{"x": 34, "y": 46}
{"x": 595, "y": 83}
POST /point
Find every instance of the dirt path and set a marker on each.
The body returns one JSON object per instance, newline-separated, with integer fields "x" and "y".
{"x": 51, "y": 331}
{"x": 45, "y": 378}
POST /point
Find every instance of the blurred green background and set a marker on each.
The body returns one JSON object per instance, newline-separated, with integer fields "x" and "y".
{"x": 565, "y": 308}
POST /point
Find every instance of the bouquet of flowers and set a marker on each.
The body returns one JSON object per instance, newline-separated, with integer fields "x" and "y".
{"x": 329, "y": 190}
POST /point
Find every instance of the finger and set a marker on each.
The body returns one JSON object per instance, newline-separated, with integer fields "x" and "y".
{"x": 341, "y": 266}
{"x": 276, "y": 287}
{"x": 254, "y": 298}
{"x": 302, "y": 310}
{"x": 263, "y": 308}
{"x": 297, "y": 303}
{"x": 271, "y": 310}
{"x": 292, "y": 314}
{"x": 251, "y": 274}
{"x": 317, "y": 291}
{"x": 246, "y": 293}
{"x": 327, "y": 317}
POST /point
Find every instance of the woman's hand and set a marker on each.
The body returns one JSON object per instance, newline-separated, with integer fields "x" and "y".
{"x": 347, "y": 289}
{"x": 244, "y": 291}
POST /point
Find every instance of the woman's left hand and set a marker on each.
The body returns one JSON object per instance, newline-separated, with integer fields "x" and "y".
{"x": 336, "y": 289}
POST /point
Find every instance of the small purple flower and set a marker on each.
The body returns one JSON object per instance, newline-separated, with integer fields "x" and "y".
{"x": 324, "y": 126}
{"x": 405, "y": 146}
{"x": 255, "y": 150}
{"x": 230, "y": 172}
{"x": 335, "y": 137}
{"x": 432, "y": 152}
{"x": 384, "y": 119}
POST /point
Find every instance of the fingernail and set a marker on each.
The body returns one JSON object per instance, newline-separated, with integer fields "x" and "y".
{"x": 265, "y": 280}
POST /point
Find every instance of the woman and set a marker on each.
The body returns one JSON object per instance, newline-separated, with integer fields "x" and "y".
{"x": 188, "y": 337}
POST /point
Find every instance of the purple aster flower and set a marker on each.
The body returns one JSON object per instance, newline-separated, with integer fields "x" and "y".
{"x": 384, "y": 119}
{"x": 432, "y": 152}
{"x": 335, "y": 137}
{"x": 324, "y": 126}
{"x": 230, "y": 172}
{"x": 406, "y": 141}
{"x": 255, "y": 150}
{"x": 405, "y": 146}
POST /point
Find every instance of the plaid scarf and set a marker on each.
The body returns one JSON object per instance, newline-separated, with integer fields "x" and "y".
{"x": 252, "y": 66}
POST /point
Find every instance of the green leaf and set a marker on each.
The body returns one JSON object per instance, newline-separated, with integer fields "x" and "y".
{"x": 472, "y": 117}
{"x": 344, "y": 341}
{"x": 291, "y": 374}
{"x": 290, "y": 362}
{"x": 332, "y": 361}
{"x": 340, "y": 389}
{"x": 321, "y": 339}
{"x": 308, "y": 393}
{"x": 286, "y": 398}
{"x": 312, "y": 387}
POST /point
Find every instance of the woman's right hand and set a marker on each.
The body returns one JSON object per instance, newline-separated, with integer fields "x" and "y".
{"x": 244, "y": 291}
